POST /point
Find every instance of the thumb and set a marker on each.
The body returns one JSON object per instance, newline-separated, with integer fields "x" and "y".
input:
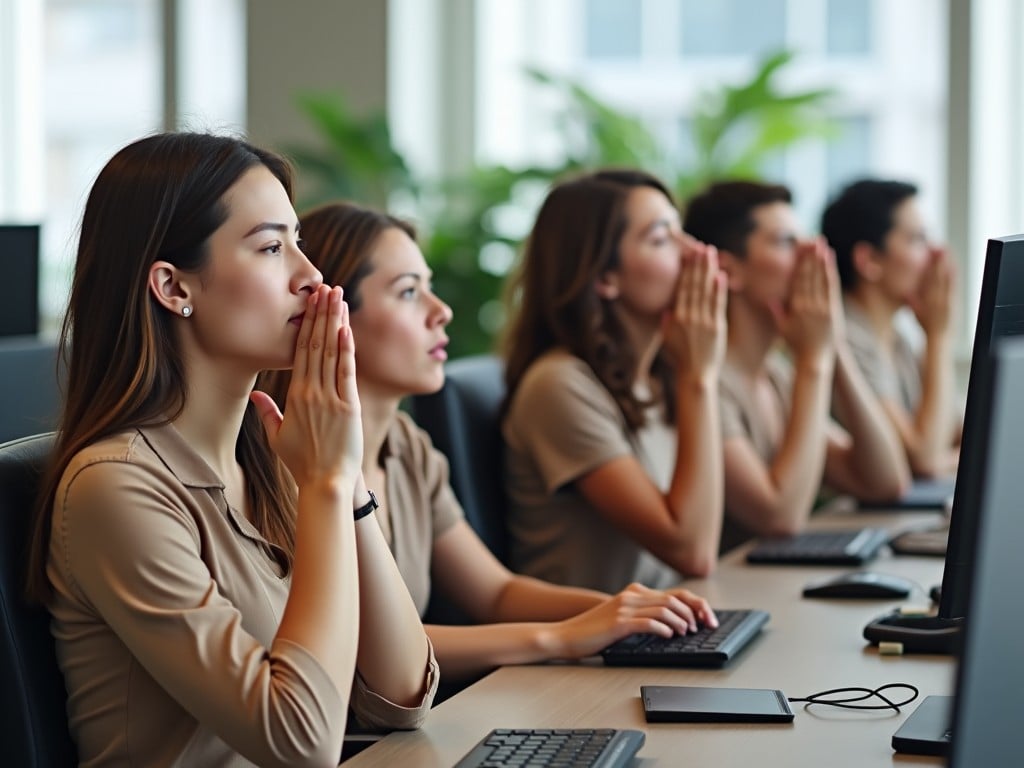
{"x": 268, "y": 412}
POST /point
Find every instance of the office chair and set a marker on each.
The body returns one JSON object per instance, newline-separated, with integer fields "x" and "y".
{"x": 463, "y": 421}
{"x": 30, "y": 388}
{"x": 33, "y": 700}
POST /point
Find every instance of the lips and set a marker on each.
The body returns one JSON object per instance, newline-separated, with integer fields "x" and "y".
{"x": 296, "y": 319}
{"x": 439, "y": 351}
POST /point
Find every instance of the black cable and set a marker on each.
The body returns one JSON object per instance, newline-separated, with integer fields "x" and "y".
{"x": 866, "y": 693}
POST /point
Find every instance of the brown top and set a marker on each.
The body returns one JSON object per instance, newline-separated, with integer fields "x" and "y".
{"x": 894, "y": 376}
{"x": 165, "y": 610}
{"x": 420, "y": 503}
{"x": 742, "y": 418}
{"x": 562, "y": 423}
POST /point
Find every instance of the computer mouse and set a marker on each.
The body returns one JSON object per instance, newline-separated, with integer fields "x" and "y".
{"x": 861, "y": 584}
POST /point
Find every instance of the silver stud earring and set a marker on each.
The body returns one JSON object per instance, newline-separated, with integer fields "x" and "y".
{"x": 186, "y": 310}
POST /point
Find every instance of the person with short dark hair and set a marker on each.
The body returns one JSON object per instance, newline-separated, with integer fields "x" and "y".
{"x": 220, "y": 594}
{"x": 886, "y": 264}
{"x": 613, "y": 454}
{"x": 779, "y": 442}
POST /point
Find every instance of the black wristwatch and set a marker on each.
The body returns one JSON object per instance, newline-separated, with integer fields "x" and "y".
{"x": 367, "y": 508}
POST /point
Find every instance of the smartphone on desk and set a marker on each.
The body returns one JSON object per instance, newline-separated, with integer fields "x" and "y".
{"x": 693, "y": 704}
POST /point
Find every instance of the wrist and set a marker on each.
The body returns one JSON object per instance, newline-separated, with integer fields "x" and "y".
{"x": 365, "y": 506}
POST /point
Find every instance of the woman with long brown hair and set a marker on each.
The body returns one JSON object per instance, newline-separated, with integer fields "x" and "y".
{"x": 614, "y": 455}
{"x": 519, "y": 619}
{"x": 219, "y": 593}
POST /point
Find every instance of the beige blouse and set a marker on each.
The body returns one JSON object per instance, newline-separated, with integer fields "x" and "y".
{"x": 561, "y": 424}
{"x": 421, "y": 505}
{"x": 165, "y": 610}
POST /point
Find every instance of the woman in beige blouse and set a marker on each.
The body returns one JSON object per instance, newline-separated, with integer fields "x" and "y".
{"x": 521, "y": 620}
{"x": 207, "y": 610}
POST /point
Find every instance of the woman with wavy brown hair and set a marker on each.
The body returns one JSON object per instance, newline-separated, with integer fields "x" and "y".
{"x": 614, "y": 456}
{"x": 518, "y": 619}
{"x": 219, "y": 594}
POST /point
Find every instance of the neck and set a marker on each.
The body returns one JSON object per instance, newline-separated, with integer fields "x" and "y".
{"x": 378, "y": 413}
{"x": 751, "y": 335}
{"x": 644, "y": 336}
{"x": 212, "y": 417}
{"x": 877, "y": 308}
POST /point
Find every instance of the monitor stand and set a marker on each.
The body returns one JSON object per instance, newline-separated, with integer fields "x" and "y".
{"x": 917, "y": 634}
{"x": 927, "y": 730}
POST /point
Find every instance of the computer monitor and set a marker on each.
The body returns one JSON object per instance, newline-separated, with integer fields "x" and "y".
{"x": 986, "y": 720}
{"x": 1000, "y": 315}
{"x": 980, "y": 723}
{"x": 19, "y": 289}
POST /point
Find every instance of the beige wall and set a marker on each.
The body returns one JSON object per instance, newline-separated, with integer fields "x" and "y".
{"x": 316, "y": 45}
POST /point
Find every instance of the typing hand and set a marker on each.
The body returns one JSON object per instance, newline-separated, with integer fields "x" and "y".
{"x": 635, "y": 609}
{"x": 320, "y": 436}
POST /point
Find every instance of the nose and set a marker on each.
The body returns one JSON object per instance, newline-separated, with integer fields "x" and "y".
{"x": 307, "y": 277}
{"x": 440, "y": 314}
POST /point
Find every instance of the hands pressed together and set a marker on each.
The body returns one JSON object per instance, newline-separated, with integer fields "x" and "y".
{"x": 933, "y": 302}
{"x": 694, "y": 328}
{"x": 320, "y": 437}
{"x": 812, "y": 318}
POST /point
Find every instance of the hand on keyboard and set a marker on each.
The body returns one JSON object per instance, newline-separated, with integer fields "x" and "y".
{"x": 636, "y": 609}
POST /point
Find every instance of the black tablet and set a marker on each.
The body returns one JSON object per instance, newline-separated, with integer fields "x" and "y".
{"x": 691, "y": 704}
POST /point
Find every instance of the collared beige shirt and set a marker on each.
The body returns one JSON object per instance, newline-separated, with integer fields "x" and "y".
{"x": 165, "y": 610}
{"x": 421, "y": 505}
{"x": 561, "y": 424}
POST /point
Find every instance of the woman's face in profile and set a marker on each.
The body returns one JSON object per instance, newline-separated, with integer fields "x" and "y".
{"x": 649, "y": 253}
{"x": 247, "y": 304}
{"x": 399, "y": 327}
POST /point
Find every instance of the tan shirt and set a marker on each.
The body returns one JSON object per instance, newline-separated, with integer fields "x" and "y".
{"x": 894, "y": 376}
{"x": 562, "y": 423}
{"x": 165, "y": 610}
{"x": 420, "y": 503}
{"x": 743, "y": 418}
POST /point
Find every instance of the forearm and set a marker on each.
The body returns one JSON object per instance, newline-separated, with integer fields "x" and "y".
{"x": 392, "y": 643}
{"x": 322, "y": 612}
{"x": 798, "y": 466}
{"x": 529, "y": 599}
{"x": 877, "y": 457}
{"x": 933, "y": 420}
{"x": 467, "y": 651}
{"x": 696, "y": 493}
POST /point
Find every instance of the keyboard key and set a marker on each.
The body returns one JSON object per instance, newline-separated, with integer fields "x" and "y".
{"x": 575, "y": 747}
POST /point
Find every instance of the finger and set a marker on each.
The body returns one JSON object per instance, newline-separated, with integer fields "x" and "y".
{"x": 317, "y": 338}
{"x": 300, "y": 365}
{"x": 685, "y": 285}
{"x": 346, "y": 358}
{"x": 268, "y": 412}
{"x": 332, "y": 352}
{"x": 710, "y": 304}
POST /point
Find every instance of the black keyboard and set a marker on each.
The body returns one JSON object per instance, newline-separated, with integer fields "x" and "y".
{"x": 704, "y": 648}
{"x": 575, "y": 747}
{"x": 821, "y": 548}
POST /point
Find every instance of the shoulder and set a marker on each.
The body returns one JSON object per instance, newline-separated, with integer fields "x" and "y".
{"x": 557, "y": 377}
{"x": 411, "y": 446}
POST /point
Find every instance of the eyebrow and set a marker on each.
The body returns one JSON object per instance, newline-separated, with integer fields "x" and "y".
{"x": 414, "y": 275}
{"x": 658, "y": 223}
{"x": 269, "y": 226}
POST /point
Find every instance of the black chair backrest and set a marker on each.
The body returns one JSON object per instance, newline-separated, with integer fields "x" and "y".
{"x": 30, "y": 389}
{"x": 33, "y": 700}
{"x": 463, "y": 421}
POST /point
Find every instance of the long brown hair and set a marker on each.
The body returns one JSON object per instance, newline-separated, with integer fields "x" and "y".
{"x": 339, "y": 239}
{"x": 553, "y": 298}
{"x": 159, "y": 198}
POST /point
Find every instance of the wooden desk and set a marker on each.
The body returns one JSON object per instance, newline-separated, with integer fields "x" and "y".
{"x": 808, "y": 646}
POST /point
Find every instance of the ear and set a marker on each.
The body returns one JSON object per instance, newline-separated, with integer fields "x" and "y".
{"x": 867, "y": 262}
{"x": 607, "y": 286}
{"x": 170, "y": 287}
{"x": 735, "y": 270}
